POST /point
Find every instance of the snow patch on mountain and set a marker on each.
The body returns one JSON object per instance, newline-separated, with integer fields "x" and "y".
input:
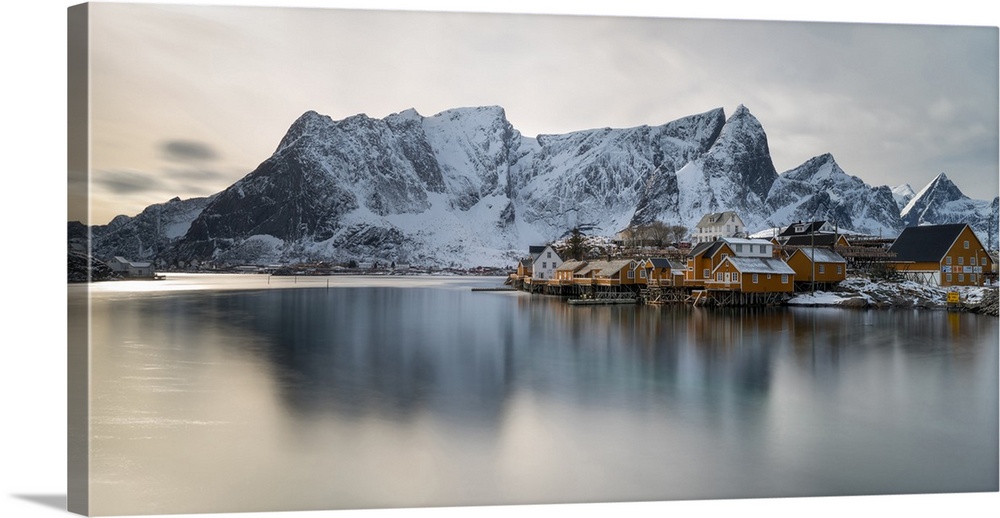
{"x": 902, "y": 194}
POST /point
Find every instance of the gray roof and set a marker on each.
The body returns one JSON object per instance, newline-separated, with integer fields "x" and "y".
{"x": 810, "y": 228}
{"x": 662, "y": 262}
{"x": 706, "y": 249}
{"x": 613, "y": 267}
{"x": 927, "y": 243}
{"x": 716, "y": 217}
{"x": 760, "y": 265}
{"x": 822, "y": 255}
{"x": 603, "y": 266}
{"x": 571, "y": 266}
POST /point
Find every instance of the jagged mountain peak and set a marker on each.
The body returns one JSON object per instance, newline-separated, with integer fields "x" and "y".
{"x": 821, "y": 169}
{"x": 938, "y": 191}
{"x": 941, "y": 201}
{"x": 464, "y": 187}
{"x": 821, "y": 189}
{"x": 736, "y": 173}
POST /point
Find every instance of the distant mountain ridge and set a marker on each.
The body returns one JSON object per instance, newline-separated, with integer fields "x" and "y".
{"x": 464, "y": 187}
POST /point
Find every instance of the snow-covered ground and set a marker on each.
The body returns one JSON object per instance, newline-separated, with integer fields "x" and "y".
{"x": 863, "y": 292}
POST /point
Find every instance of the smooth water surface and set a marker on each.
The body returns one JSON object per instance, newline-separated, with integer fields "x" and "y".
{"x": 256, "y": 393}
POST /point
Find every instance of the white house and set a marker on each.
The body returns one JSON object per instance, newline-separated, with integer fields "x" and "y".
{"x": 718, "y": 225}
{"x": 130, "y": 268}
{"x": 545, "y": 264}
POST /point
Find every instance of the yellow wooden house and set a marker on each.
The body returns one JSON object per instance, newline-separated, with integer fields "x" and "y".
{"x": 659, "y": 271}
{"x": 942, "y": 255}
{"x": 817, "y": 265}
{"x": 752, "y": 275}
{"x": 616, "y": 273}
{"x": 567, "y": 270}
{"x": 703, "y": 260}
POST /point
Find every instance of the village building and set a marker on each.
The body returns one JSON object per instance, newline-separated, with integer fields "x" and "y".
{"x": 942, "y": 255}
{"x": 616, "y": 273}
{"x": 585, "y": 276}
{"x": 753, "y": 275}
{"x": 806, "y": 228}
{"x": 817, "y": 266}
{"x": 705, "y": 257}
{"x": 718, "y": 225}
{"x": 659, "y": 271}
{"x": 524, "y": 267}
{"x": 565, "y": 272}
{"x": 545, "y": 263}
{"x": 131, "y": 269}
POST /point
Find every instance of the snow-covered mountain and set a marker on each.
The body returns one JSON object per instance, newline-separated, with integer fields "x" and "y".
{"x": 820, "y": 190}
{"x": 148, "y": 234}
{"x": 941, "y": 202}
{"x": 735, "y": 174}
{"x": 903, "y": 194}
{"x": 464, "y": 187}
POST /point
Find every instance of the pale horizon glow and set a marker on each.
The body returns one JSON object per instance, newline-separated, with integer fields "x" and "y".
{"x": 187, "y": 99}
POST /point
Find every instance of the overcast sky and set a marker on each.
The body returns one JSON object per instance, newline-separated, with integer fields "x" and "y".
{"x": 188, "y": 99}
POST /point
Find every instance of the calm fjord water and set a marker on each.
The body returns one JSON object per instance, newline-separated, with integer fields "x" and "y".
{"x": 243, "y": 393}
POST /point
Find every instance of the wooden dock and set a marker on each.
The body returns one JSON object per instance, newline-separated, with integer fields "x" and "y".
{"x": 601, "y": 301}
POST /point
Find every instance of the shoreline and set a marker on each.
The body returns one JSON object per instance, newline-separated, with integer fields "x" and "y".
{"x": 866, "y": 294}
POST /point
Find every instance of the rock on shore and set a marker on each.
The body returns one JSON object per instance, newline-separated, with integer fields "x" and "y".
{"x": 864, "y": 293}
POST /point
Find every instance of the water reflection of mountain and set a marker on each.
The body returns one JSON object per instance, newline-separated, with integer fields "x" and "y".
{"x": 394, "y": 353}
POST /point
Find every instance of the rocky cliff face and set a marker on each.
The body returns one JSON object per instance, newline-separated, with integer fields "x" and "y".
{"x": 464, "y": 187}
{"x": 820, "y": 190}
{"x": 149, "y": 234}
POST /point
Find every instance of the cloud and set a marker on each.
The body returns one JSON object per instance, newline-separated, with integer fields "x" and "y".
{"x": 127, "y": 182}
{"x": 188, "y": 151}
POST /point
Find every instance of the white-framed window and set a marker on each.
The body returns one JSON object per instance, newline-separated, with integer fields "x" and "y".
{"x": 545, "y": 264}
{"x": 840, "y": 269}
{"x": 948, "y": 277}
{"x": 754, "y": 278}
{"x": 784, "y": 279}
{"x": 961, "y": 260}
{"x": 736, "y": 276}
{"x": 966, "y": 244}
{"x": 982, "y": 261}
{"x": 718, "y": 276}
{"x": 822, "y": 269}
{"x": 705, "y": 273}
{"x": 642, "y": 274}
{"x": 961, "y": 277}
{"x": 947, "y": 260}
